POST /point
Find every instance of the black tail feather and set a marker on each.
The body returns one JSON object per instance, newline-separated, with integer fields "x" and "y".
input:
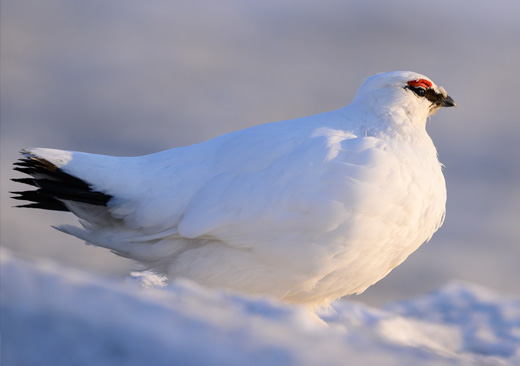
{"x": 28, "y": 181}
{"x": 39, "y": 199}
{"x": 53, "y": 186}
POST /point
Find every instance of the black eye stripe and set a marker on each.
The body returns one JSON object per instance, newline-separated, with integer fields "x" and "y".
{"x": 434, "y": 97}
{"x": 429, "y": 94}
{"x": 419, "y": 91}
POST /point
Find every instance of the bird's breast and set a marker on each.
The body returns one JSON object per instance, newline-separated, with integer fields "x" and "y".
{"x": 393, "y": 200}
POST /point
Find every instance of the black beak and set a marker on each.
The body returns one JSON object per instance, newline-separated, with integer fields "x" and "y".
{"x": 447, "y": 102}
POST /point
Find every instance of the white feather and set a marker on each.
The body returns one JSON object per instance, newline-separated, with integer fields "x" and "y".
{"x": 306, "y": 210}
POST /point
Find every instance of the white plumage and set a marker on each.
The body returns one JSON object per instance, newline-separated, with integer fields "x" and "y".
{"x": 305, "y": 210}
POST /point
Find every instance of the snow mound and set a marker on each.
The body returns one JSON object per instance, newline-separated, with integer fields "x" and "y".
{"x": 53, "y": 315}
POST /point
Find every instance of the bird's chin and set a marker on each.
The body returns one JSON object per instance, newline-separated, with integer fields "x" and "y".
{"x": 434, "y": 108}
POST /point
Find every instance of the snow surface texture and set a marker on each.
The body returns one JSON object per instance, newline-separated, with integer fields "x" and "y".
{"x": 53, "y": 315}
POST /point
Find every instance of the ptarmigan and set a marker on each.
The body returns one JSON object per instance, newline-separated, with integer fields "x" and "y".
{"x": 305, "y": 210}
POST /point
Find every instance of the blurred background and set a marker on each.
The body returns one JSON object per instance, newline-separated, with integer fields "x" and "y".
{"x": 133, "y": 77}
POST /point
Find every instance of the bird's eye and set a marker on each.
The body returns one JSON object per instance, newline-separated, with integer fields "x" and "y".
{"x": 421, "y": 92}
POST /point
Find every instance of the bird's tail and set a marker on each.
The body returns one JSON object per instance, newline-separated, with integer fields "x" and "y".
{"x": 52, "y": 186}
{"x": 59, "y": 190}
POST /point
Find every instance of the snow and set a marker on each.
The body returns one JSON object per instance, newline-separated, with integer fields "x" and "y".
{"x": 51, "y": 314}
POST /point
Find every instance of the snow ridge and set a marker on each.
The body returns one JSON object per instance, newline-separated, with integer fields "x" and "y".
{"x": 51, "y": 314}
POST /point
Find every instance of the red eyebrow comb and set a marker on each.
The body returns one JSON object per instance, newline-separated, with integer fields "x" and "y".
{"x": 420, "y": 83}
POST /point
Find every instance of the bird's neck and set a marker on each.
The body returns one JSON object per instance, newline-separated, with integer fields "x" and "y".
{"x": 388, "y": 121}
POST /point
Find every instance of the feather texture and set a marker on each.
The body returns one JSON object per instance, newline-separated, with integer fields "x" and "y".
{"x": 305, "y": 210}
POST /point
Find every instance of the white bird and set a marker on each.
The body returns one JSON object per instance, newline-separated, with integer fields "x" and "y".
{"x": 305, "y": 210}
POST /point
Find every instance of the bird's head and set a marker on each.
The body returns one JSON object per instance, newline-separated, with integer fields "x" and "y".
{"x": 403, "y": 92}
